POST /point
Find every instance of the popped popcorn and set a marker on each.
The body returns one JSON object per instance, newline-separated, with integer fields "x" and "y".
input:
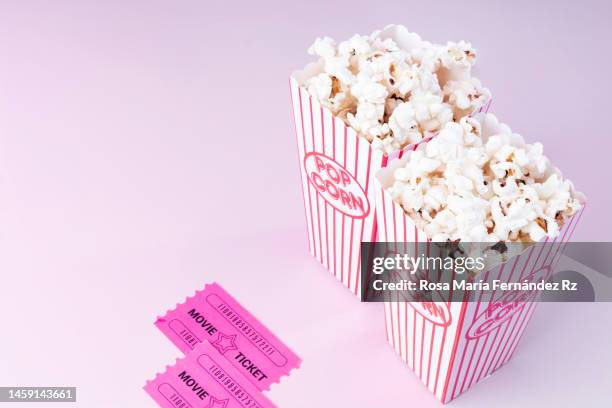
{"x": 478, "y": 182}
{"x": 465, "y": 96}
{"x": 393, "y": 88}
{"x": 458, "y": 54}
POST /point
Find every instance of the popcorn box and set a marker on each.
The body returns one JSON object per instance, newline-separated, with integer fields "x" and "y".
{"x": 337, "y": 164}
{"x": 336, "y": 167}
{"x": 453, "y": 345}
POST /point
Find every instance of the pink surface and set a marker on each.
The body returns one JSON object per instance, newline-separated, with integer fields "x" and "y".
{"x": 213, "y": 315}
{"x": 138, "y": 160}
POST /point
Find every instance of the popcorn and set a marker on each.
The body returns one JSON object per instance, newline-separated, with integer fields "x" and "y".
{"x": 476, "y": 185}
{"x": 459, "y": 54}
{"x": 330, "y": 90}
{"x": 424, "y": 115}
{"x": 367, "y": 120}
{"x": 323, "y": 47}
{"x": 466, "y": 96}
{"x": 393, "y": 88}
{"x": 356, "y": 45}
{"x": 367, "y": 90}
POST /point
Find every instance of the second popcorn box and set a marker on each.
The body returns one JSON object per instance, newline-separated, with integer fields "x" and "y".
{"x": 366, "y": 101}
{"x": 472, "y": 225}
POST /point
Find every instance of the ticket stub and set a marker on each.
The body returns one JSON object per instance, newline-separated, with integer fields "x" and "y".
{"x": 204, "y": 379}
{"x": 213, "y": 315}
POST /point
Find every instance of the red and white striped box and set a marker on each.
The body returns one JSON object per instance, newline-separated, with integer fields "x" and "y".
{"x": 337, "y": 167}
{"x": 453, "y": 345}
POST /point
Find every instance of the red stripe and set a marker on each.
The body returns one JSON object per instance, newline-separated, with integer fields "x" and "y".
{"x": 441, "y": 354}
{"x": 322, "y": 129}
{"x": 392, "y": 325}
{"x": 356, "y": 156}
{"x": 312, "y": 124}
{"x": 549, "y": 251}
{"x": 414, "y": 316}
{"x": 505, "y": 343}
{"x": 527, "y": 318}
{"x": 511, "y": 335}
{"x": 351, "y": 244}
{"x": 433, "y": 326}
{"x": 525, "y": 315}
{"x": 327, "y": 235}
{"x": 416, "y": 244}
{"x": 523, "y": 325}
{"x": 334, "y": 135}
{"x": 345, "y": 147}
{"x": 574, "y": 228}
{"x": 484, "y": 364}
{"x": 319, "y": 226}
{"x": 342, "y": 252}
{"x": 433, "y": 335}
{"x": 453, "y": 352}
{"x": 501, "y": 341}
{"x": 386, "y": 323}
{"x": 518, "y": 315}
{"x": 312, "y": 237}
{"x": 361, "y": 234}
{"x": 351, "y": 251}
{"x": 373, "y": 218}
{"x": 405, "y": 228}
{"x": 368, "y": 170}
{"x": 299, "y": 159}
{"x": 440, "y": 360}
{"x": 335, "y": 237}
{"x": 393, "y": 205}
{"x": 467, "y": 344}
{"x": 530, "y": 314}
{"x": 325, "y": 204}
{"x": 579, "y": 216}
{"x": 373, "y": 237}
{"x": 566, "y": 229}
{"x": 533, "y": 304}
{"x": 501, "y": 270}
{"x": 498, "y": 276}
{"x": 526, "y": 321}
{"x": 497, "y": 330}
{"x": 314, "y": 148}
{"x": 406, "y": 330}
{"x": 343, "y": 216}
{"x": 335, "y": 257}
{"x": 467, "y": 370}
{"x": 358, "y": 266}
{"x": 384, "y": 207}
{"x": 399, "y": 336}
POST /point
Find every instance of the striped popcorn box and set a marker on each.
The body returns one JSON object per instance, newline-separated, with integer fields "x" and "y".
{"x": 452, "y": 345}
{"x": 337, "y": 163}
{"x": 337, "y": 166}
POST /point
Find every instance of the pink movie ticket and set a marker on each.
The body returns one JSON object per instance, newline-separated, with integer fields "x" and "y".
{"x": 204, "y": 379}
{"x": 213, "y": 315}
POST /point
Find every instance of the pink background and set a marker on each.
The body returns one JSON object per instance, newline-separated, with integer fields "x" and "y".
{"x": 147, "y": 147}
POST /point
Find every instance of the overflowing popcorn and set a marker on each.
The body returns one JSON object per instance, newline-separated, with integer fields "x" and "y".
{"x": 393, "y": 88}
{"x": 478, "y": 182}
